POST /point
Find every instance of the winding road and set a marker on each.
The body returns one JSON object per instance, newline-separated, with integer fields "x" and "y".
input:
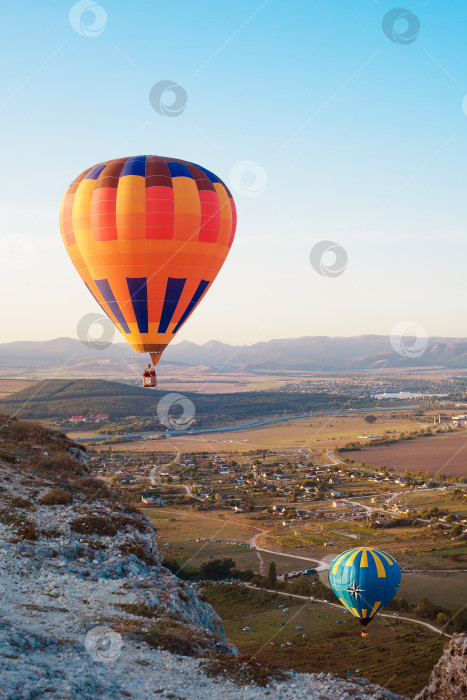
{"x": 336, "y": 605}
{"x": 322, "y": 565}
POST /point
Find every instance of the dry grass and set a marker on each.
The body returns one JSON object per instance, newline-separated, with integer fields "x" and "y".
{"x": 140, "y": 610}
{"x": 20, "y": 502}
{"x": 170, "y": 635}
{"x": 397, "y": 654}
{"x": 139, "y": 551}
{"x": 94, "y": 525}
{"x": 108, "y": 526}
{"x": 57, "y": 465}
{"x": 242, "y": 671}
{"x": 23, "y": 528}
{"x": 11, "y": 386}
{"x": 56, "y": 497}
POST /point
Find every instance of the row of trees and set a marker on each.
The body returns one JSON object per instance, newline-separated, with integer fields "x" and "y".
{"x": 212, "y": 570}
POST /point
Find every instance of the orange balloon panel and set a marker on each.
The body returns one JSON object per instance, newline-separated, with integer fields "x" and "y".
{"x": 148, "y": 236}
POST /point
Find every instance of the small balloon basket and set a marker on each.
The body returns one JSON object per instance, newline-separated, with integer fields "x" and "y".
{"x": 149, "y": 377}
{"x": 149, "y": 381}
{"x": 364, "y": 632}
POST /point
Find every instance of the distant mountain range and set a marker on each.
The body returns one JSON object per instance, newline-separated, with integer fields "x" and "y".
{"x": 70, "y": 357}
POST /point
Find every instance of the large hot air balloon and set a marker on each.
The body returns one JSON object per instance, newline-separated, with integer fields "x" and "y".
{"x": 148, "y": 236}
{"x": 364, "y": 579}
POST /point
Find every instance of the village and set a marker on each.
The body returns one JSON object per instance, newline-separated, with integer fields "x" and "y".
{"x": 286, "y": 489}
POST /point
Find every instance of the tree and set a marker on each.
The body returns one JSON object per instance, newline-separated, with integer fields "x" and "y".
{"x": 442, "y": 618}
{"x": 370, "y": 419}
{"x": 456, "y": 531}
{"x": 425, "y": 608}
{"x": 217, "y": 569}
{"x": 272, "y": 574}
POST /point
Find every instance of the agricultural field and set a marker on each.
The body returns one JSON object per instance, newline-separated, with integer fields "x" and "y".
{"x": 438, "y": 454}
{"x": 397, "y": 654}
{"x": 205, "y": 382}
{"x": 424, "y": 500}
{"x": 173, "y": 524}
{"x": 10, "y": 386}
{"x": 180, "y": 530}
{"x": 317, "y": 433}
{"x": 412, "y": 547}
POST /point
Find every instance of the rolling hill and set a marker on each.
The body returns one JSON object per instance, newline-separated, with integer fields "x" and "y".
{"x": 64, "y": 398}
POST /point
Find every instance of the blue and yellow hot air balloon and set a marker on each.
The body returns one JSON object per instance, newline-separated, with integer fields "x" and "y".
{"x": 365, "y": 580}
{"x": 148, "y": 235}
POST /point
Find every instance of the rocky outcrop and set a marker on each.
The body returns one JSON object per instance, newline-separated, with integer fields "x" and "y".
{"x": 448, "y": 680}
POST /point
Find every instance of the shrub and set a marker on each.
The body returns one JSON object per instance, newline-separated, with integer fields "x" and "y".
{"x": 94, "y": 525}
{"x": 243, "y": 671}
{"x": 170, "y": 635}
{"x": 139, "y": 551}
{"x": 55, "y": 497}
{"x": 98, "y": 525}
{"x": 57, "y": 464}
{"x": 456, "y": 531}
{"x": 20, "y": 502}
{"x": 141, "y": 610}
{"x": 8, "y": 456}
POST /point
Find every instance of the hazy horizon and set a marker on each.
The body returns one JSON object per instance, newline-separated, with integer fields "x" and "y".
{"x": 119, "y": 340}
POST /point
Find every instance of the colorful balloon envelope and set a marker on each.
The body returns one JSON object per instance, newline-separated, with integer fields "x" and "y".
{"x": 148, "y": 236}
{"x": 365, "y": 580}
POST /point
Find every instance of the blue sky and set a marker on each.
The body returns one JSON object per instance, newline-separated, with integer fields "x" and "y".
{"x": 357, "y": 139}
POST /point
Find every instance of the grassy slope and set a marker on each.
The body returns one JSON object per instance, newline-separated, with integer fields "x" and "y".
{"x": 397, "y": 655}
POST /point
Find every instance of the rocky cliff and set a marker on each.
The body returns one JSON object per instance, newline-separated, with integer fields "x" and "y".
{"x": 448, "y": 680}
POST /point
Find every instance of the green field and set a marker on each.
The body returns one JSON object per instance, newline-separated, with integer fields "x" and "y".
{"x": 429, "y": 499}
{"x": 182, "y": 524}
{"x": 398, "y": 655}
{"x": 446, "y": 589}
